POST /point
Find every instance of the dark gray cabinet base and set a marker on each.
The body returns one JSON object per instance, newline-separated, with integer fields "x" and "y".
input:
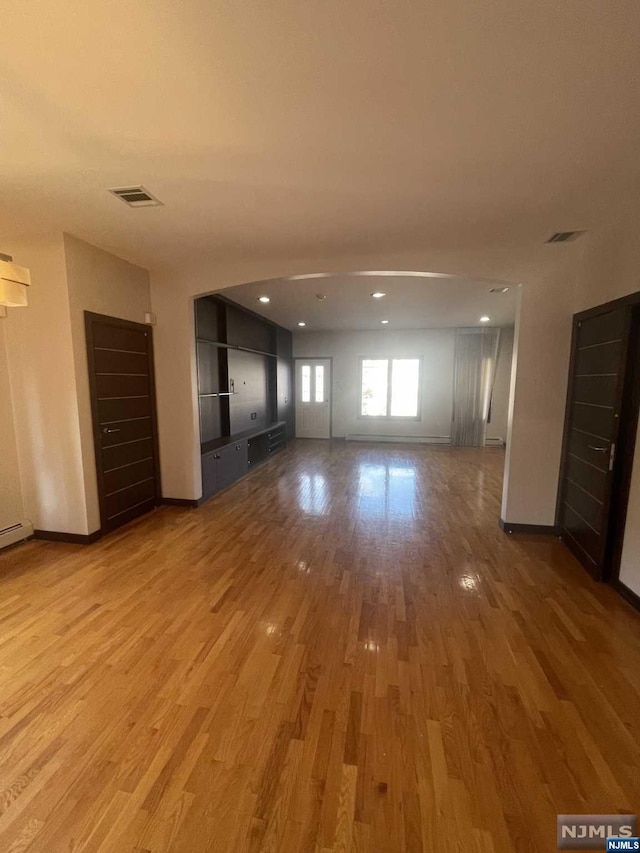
{"x": 224, "y": 465}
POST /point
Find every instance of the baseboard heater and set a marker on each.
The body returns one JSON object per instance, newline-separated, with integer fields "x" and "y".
{"x": 404, "y": 439}
{"x": 417, "y": 439}
{"x": 15, "y": 533}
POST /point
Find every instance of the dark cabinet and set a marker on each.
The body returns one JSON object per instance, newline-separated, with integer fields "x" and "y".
{"x": 285, "y": 407}
{"x": 261, "y": 446}
{"x": 249, "y": 380}
{"x": 210, "y": 419}
{"x": 209, "y": 475}
{"x": 248, "y": 331}
{"x": 284, "y": 342}
{"x": 258, "y": 448}
{"x": 221, "y": 468}
{"x": 209, "y": 319}
{"x": 285, "y": 388}
{"x": 232, "y": 463}
{"x": 276, "y": 438}
{"x": 245, "y": 383}
{"x": 208, "y": 367}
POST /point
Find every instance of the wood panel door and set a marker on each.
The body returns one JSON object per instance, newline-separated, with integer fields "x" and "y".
{"x": 594, "y": 403}
{"x": 123, "y": 405}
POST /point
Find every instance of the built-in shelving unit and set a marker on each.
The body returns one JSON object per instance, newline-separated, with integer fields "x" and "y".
{"x": 245, "y": 390}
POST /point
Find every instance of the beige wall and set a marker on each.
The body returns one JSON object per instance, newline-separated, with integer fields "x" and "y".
{"x": 176, "y": 387}
{"x": 47, "y": 367}
{"x": 436, "y": 349}
{"x": 11, "y": 504}
{"x": 104, "y": 284}
{"x": 45, "y": 409}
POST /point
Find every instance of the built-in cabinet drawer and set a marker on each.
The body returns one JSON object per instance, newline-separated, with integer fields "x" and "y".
{"x": 266, "y": 443}
{"x": 276, "y": 438}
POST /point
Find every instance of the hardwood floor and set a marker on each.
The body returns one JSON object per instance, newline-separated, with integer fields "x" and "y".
{"x": 343, "y": 652}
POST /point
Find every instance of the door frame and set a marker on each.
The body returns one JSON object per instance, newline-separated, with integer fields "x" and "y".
{"x": 624, "y": 456}
{"x": 89, "y": 318}
{"x": 328, "y": 358}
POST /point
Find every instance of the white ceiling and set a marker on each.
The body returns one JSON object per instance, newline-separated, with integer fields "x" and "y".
{"x": 295, "y": 129}
{"x": 411, "y": 302}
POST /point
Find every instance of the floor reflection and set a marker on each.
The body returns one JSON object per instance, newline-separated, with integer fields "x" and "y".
{"x": 386, "y": 490}
{"x": 313, "y": 494}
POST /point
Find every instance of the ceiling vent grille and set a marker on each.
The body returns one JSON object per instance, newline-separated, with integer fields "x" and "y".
{"x": 136, "y": 197}
{"x": 565, "y": 236}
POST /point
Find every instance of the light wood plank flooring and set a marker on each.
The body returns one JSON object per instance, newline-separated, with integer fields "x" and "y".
{"x": 343, "y": 652}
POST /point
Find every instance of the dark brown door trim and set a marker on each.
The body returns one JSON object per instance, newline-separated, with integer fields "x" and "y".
{"x": 90, "y": 318}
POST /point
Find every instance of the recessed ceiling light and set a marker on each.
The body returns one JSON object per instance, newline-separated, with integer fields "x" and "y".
{"x": 499, "y": 290}
{"x": 485, "y": 319}
{"x": 378, "y": 294}
{"x": 264, "y": 299}
{"x": 384, "y": 322}
{"x": 301, "y": 323}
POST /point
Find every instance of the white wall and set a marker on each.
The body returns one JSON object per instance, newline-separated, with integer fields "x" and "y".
{"x": 435, "y": 348}
{"x": 104, "y": 284}
{"x": 11, "y": 504}
{"x": 45, "y": 408}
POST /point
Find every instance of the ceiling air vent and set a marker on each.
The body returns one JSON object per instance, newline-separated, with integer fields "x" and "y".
{"x": 136, "y": 197}
{"x": 565, "y": 236}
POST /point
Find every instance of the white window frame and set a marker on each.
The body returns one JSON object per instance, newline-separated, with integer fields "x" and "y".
{"x": 390, "y": 360}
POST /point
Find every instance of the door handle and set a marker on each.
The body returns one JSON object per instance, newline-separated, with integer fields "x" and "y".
{"x": 597, "y": 449}
{"x": 109, "y": 430}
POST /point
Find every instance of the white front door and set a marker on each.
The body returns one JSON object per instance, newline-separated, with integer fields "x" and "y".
{"x": 313, "y": 398}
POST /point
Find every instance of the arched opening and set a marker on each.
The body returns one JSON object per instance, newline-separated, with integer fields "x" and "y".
{"x": 398, "y": 359}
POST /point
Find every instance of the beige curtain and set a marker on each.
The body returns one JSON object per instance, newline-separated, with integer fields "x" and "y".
{"x": 474, "y": 373}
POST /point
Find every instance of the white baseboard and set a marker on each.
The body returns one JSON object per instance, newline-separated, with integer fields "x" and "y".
{"x": 15, "y": 533}
{"x": 494, "y": 442}
{"x": 404, "y": 439}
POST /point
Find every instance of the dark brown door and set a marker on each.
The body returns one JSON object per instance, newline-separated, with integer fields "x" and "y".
{"x": 595, "y": 396}
{"x": 121, "y": 380}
